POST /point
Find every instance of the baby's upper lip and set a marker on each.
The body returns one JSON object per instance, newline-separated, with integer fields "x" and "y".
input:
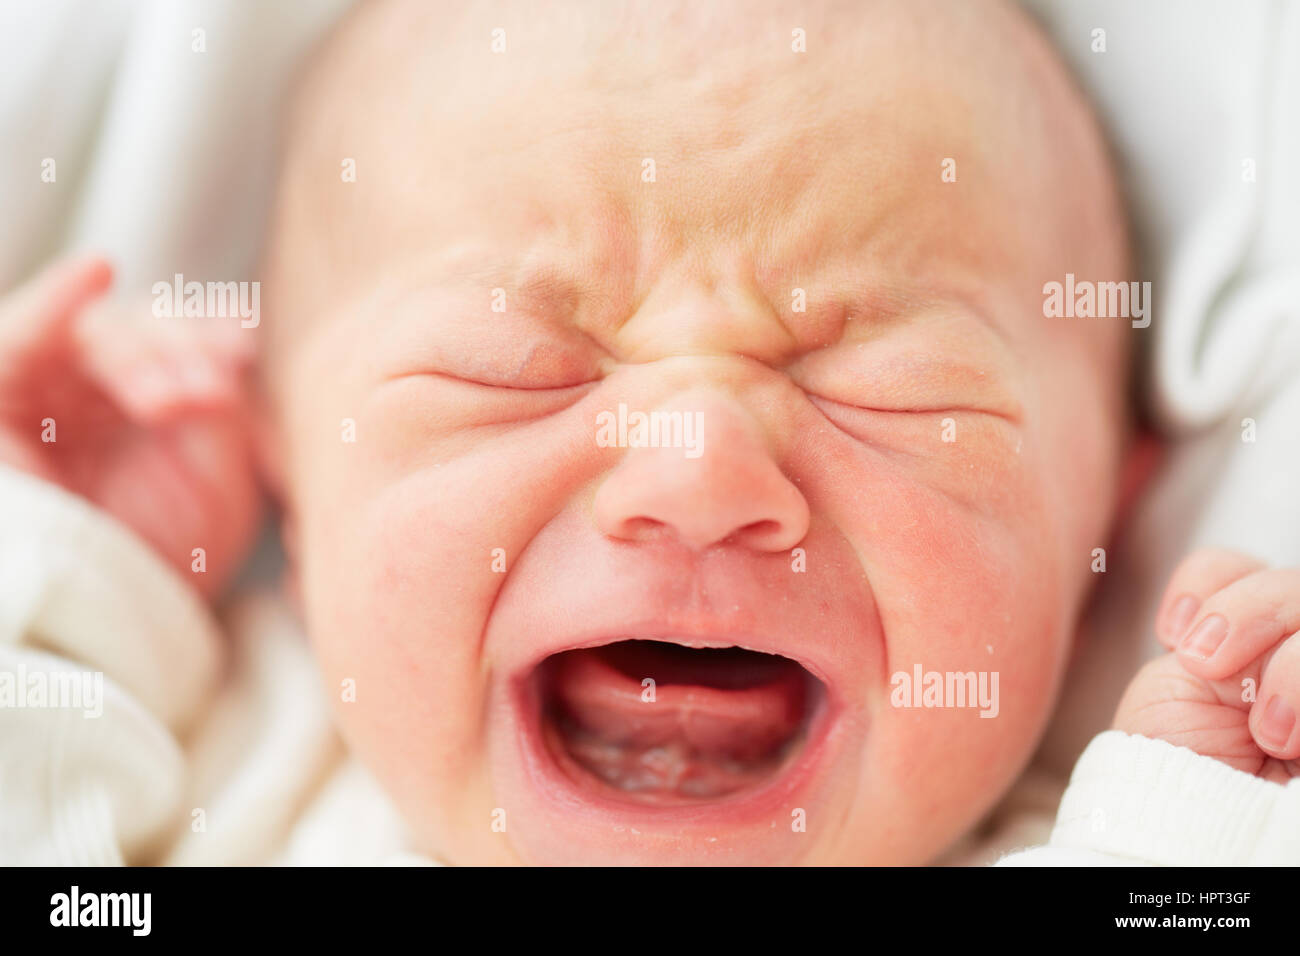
{"x": 755, "y": 602}
{"x": 703, "y": 635}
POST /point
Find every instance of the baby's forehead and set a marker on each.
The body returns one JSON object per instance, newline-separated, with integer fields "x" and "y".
{"x": 874, "y": 134}
{"x": 776, "y": 83}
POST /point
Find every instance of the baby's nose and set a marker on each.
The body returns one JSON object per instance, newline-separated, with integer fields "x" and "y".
{"x": 725, "y": 485}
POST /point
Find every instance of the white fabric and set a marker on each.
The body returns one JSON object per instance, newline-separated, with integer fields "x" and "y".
{"x": 214, "y": 743}
{"x": 163, "y": 154}
{"x": 1137, "y": 801}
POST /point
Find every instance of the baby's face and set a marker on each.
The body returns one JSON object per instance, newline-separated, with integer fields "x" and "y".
{"x": 890, "y": 462}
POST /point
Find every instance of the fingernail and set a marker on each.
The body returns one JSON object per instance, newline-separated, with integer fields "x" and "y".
{"x": 1205, "y": 639}
{"x": 1180, "y": 616}
{"x": 1276, "y": 724}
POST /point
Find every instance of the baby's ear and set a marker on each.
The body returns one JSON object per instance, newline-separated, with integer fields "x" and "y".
{"x": 1142, "y": 460}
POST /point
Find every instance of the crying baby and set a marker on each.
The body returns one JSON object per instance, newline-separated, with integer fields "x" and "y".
{"x": 825, "y": 615}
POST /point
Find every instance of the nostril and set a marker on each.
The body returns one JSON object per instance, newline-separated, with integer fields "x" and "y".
{"x": 638, "y": 529}
{"x": 758, "y": 530}
{"x": 747, "y": 500}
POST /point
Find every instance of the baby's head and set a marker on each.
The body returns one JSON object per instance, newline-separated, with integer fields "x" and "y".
{"x": 711, "y": 325}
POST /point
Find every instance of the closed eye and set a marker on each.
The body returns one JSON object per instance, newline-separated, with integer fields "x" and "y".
{"x": 909, "y": 408}
{"x": 915, "y": 430}
{"x": 455, "y": 401}
{"x": 518, "y": 362}
{"x": 481, "y": 382}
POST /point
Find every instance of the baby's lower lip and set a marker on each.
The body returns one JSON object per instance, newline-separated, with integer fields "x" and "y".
{"x": 647, "y": 727}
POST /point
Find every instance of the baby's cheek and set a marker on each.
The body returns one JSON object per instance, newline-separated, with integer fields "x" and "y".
{"x": 976, "y": 641}
{"x": 396, "y": 591}
{"x": 976, "y": 632}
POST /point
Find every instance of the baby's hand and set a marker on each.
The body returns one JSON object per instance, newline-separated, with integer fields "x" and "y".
{"x": 1231, "y": 688}
{"x": 145, "y": 417}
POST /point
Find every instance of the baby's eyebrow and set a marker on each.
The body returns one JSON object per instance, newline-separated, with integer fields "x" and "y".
{"x": 462, "y": 287}
{"x": 551, "y": 289}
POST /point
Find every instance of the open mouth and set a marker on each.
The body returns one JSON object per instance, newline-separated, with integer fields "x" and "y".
{"x": 660, "y": 723}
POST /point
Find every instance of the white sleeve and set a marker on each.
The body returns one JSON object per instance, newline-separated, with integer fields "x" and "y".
{"x": 107, "y": 656}
{"x": 1135, "y": 801}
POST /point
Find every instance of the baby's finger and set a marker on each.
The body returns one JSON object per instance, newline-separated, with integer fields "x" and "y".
{"x": 163, "y": 387}
{"x": 1200, "y": 575}
{"x": 230, "y": 344}
{"x": 210, "y": 362}
{"x": 153, "y": 375}
{"x": 46, "y": 305}
{"x": 154, "y": 385}
{"x": 1242, "y": 621}
{"x": 1273, "y": 717}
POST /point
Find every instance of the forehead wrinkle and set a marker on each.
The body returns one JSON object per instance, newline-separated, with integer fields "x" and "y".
{"x": 802, "y": 150}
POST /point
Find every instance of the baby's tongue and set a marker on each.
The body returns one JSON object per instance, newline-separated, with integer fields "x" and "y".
{"x": 715, "y": 722}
